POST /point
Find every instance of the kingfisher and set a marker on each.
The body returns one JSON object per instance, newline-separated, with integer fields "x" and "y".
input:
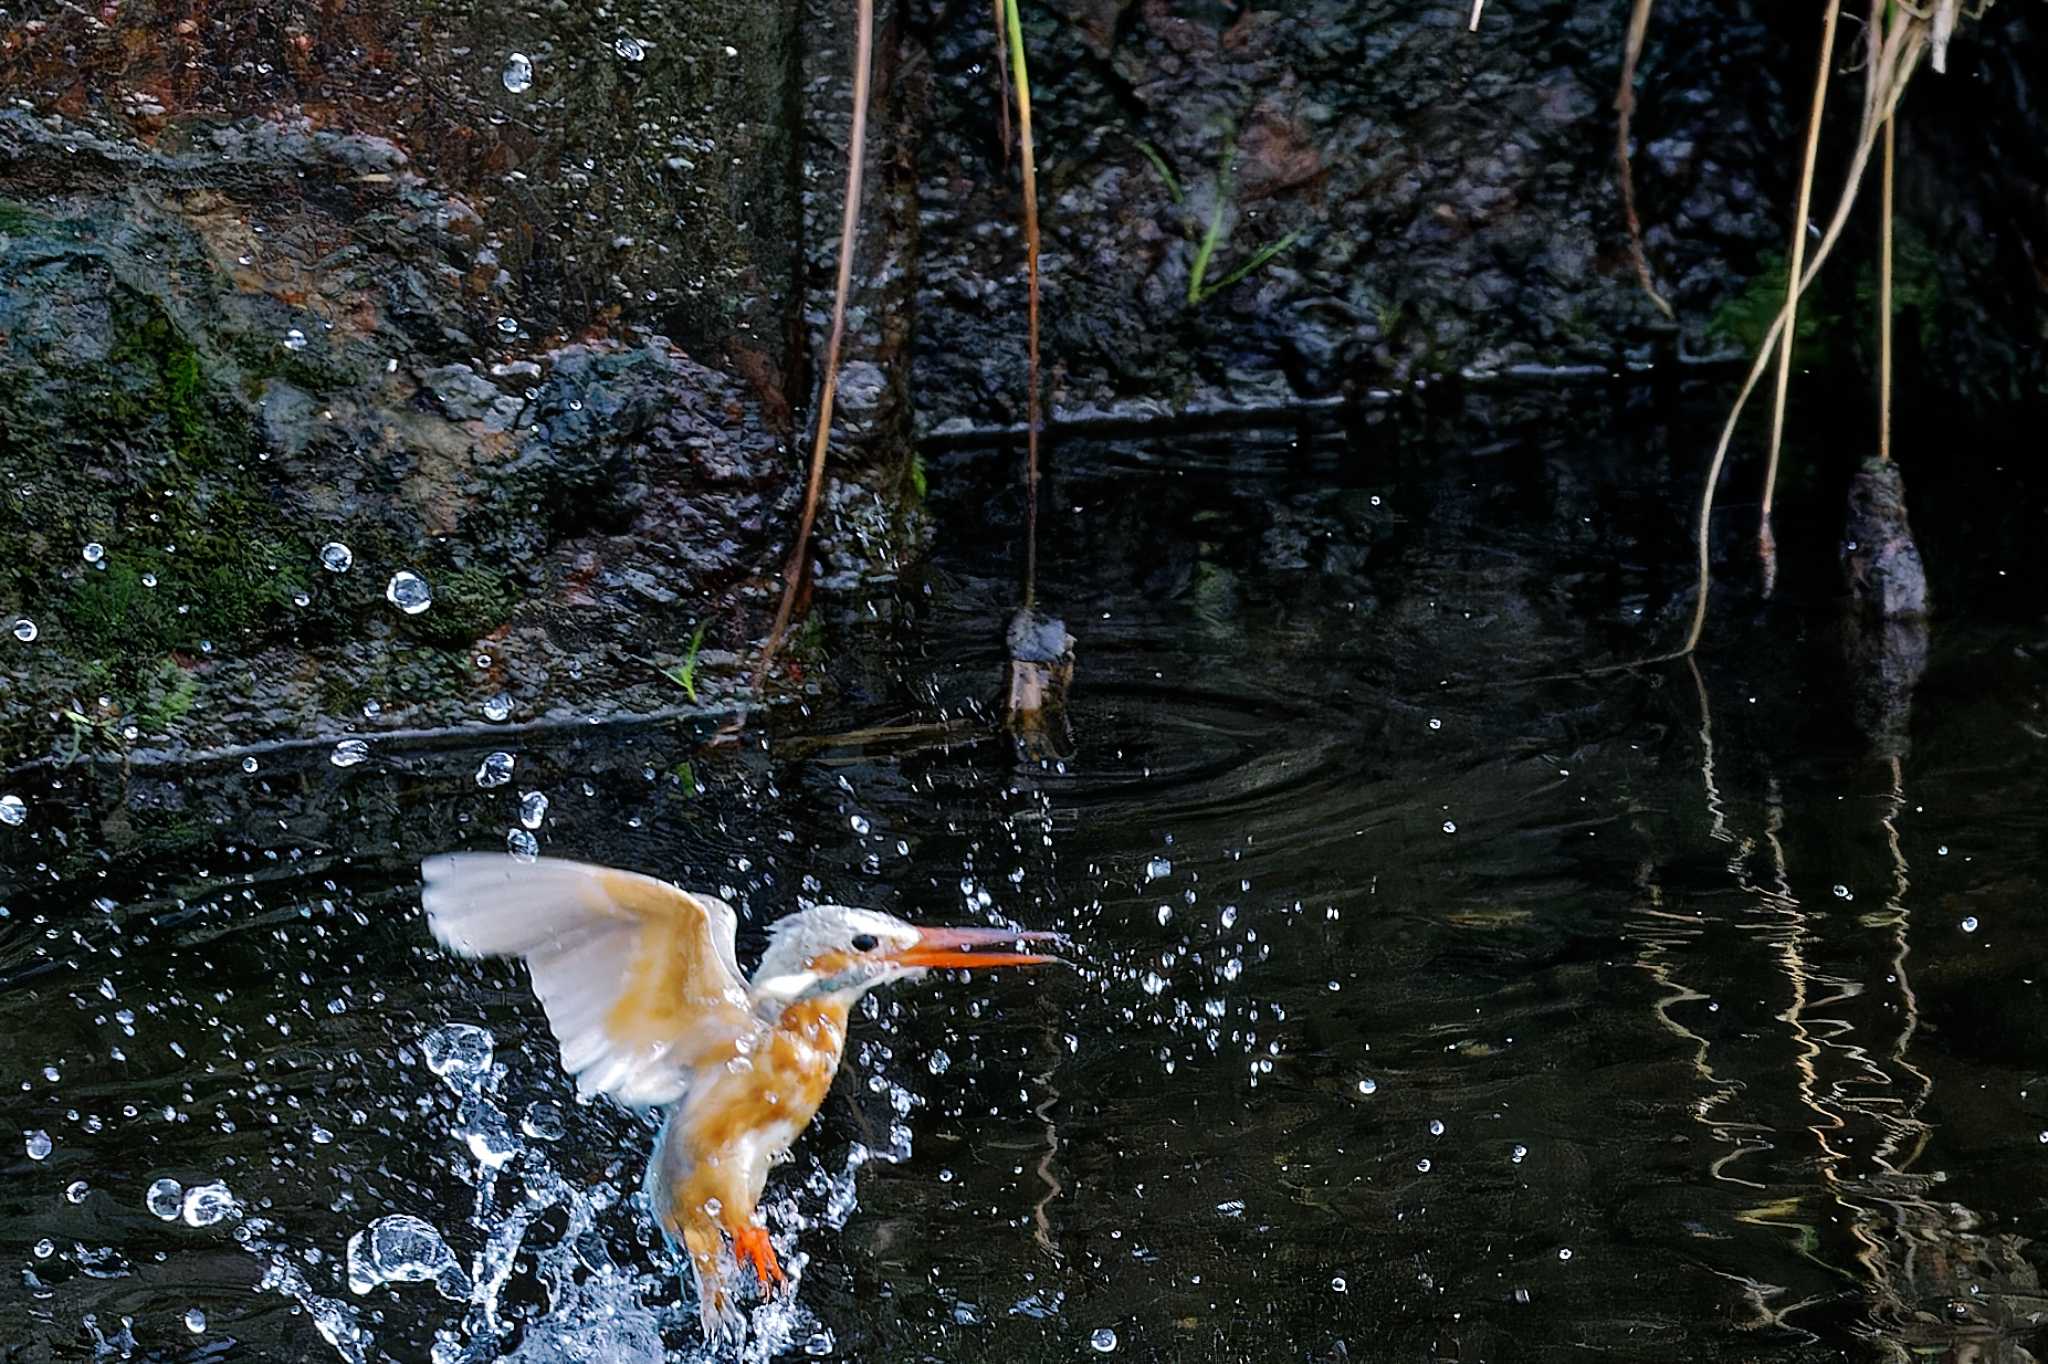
{"x": 644, "y": 994}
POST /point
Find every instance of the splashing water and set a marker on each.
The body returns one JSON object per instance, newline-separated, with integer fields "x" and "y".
{"x": 531, "y": 1225}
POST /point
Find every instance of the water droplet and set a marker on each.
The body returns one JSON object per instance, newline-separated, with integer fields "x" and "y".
{"x": 402, "y": 1248}
{"x": 533, "y": 808}
{"x": 460, "y": 1054}
{"x": 819, "y": 1345}
{"x": 45, "y": 1248}
{"x": 206, "y": 1204}
{"x": 2044, "y": 1136}
{"x": 94, "y": 552}
{"x": 1565, "y": 1252}
{"x": 165, "y": 1198}
{"x": 522, "y": 844}
{"x": 1157, "y": 868}
{"x": 1422, "y": 1166}
{"x": 294, "y": 339}
{"x": 498, "y": 709}
{"x": 495, "y": 770}
{"x": 1368, "y": 1086}
{"x": 409, "y": 592}
{"x": 630, "y": 49}
{"x": 76, "y": 1190}
{"x": 543, "y": 1121}
{"x": 195, "y": 1322}
{"x": 321, "y": 1136}
{"x": 1519, "y": 1154}
{"x": 1970, "y": 924}
{"x": 509, "y": 326}
{"x": 1436, "y": 1127}
{"x": 859, "y": 824}
{"x": 301, "y": 599}
{"x": 1103, "y": 1341}
{"x": 1337, "y": 1284}
{"x": 336, "y": 557}
{"x": 25, "y": 630}
{"x": 149, "y": 580}
{"x": 1450, "y": 826}
{"x": 1844, "y": 893}
{"x": 1941, "y": 851}
{"x": 349, "y": 752}
{"x": 518, "y": 75}
{"x": 249, "y": 764}
{"x": 13, "y": 810}
{"x": 38, "y": 1143}
{"x": 939, "y": 1063}
{"x": 1435, "y": 723}
{"x": 1165, "y": 915}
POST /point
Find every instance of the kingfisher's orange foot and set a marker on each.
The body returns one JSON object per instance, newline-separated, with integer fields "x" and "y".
{"x": 750, "y": 1245}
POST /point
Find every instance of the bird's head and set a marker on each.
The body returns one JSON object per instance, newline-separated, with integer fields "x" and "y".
{"x": 841, "y": 952}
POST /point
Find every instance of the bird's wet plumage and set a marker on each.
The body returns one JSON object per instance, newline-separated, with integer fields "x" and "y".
{"x": 644, "y": 994}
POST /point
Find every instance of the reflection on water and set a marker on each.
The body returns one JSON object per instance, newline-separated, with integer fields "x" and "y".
{"x": 1422, "y": 1009}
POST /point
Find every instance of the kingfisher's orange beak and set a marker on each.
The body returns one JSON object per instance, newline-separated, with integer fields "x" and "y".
{"x": 942, "y": 949}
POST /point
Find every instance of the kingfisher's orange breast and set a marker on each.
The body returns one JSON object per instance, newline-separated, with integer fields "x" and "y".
{"x": 790, "y": 1075}
{"x": 750, "y": 1114}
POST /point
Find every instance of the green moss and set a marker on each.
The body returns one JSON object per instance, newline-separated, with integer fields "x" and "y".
{"x": 16, "y": 217}
{"x": 469, "y": 603}
{"x": 197, "y": 550}
{"x": 1746, "y": 318}
{"x": 170, "y": 696}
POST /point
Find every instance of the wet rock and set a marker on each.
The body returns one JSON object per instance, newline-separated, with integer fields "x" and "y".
{"x": 268, "y": 288}
{"x": 1448, "y": 198}
{"x": 1880, "y": 563}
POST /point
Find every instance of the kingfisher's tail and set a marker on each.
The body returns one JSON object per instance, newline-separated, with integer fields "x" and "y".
{"x": 692, "y": 1234}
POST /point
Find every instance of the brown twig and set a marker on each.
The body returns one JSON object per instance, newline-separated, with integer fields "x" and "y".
{"x": 1022, "y": 81}
{"x": 1766, "y": 547}
{"x": 1625, "y": 107}
{"x": 849, "y": 222}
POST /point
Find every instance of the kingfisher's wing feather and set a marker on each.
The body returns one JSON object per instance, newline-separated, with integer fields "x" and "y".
{"x": 638, "y": 976}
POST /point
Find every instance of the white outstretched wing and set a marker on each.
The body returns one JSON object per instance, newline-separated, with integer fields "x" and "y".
{"x": 637, "y": 976}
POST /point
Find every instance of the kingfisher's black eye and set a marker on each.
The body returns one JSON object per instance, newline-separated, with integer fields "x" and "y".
{"x": 865, "y": 942}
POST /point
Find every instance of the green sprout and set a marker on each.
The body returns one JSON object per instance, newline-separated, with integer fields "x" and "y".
{"x": 1200, "y": 290}
{"x": 684, "y": 674}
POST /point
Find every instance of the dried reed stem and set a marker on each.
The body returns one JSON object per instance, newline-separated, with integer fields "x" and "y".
{"x": 1884, "y": 295}
{"x": 1894, "y": 55}
{"x": 1625, "y": 107}
{"x": 1021, "y": 79}
{"x": 1002, "y": 82}
{"x": 1797, "y": 255}
{"x": 849, "y": 222}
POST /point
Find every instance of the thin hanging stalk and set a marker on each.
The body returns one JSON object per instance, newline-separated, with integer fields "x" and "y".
{"x": 1884, "y": 296}
{"x": 1021, "y": 79}
{"x": 1765, "y": 544}
{"x": 1625, "y": 107}
{"x": 1002, "y": 83}
{"x": 1477, "y": 6}
{"x": 1894, "y": 56}
{"x": 849, "y": 221}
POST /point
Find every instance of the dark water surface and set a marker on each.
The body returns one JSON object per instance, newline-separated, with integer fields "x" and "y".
{"x": 1425, "y": 1009}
